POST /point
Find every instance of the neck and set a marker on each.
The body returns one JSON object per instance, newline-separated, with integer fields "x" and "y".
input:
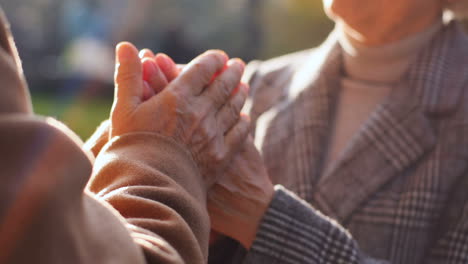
{"x": 384, "y": 63}
{"x": 385, "y": 32}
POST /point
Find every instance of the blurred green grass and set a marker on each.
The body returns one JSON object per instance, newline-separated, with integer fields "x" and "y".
{"x": 82, "y": 115}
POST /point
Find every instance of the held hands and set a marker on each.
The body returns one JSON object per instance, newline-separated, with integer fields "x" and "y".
{"x": 193, "y": 110}
{"x": 242, "y": 195}
{"x": 238, "y": 201}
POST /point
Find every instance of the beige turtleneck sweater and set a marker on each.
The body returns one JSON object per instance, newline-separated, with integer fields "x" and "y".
{"x": 370, "y": 75}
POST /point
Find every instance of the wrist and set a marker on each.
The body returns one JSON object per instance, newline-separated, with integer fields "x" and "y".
{"x": 251, "y": 223}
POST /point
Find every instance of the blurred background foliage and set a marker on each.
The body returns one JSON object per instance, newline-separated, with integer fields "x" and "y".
{"x": 67, "y": 45}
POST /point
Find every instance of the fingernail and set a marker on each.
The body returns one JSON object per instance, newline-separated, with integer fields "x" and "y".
{"x": 238, "y": 62}
{"x": 125, "y": 51}
{"x": 144, "y": 53}
{"x": 219, "y": 52}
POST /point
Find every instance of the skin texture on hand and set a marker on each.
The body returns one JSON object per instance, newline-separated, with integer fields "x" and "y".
{"x": 193, "y": 110}
{"x": 241, "y": 197}
{"x": 243, "y": 193}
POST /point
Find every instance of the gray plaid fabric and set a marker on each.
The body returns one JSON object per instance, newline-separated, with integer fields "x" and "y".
{"x": 398, "y": 194}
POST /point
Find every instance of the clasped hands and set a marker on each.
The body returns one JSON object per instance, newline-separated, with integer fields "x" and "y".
{"x": 199, "y": 108}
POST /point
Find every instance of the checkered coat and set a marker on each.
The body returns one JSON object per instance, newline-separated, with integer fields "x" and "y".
{"x": 399, "y": 193}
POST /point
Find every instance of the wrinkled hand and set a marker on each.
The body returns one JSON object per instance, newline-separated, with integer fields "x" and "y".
{"x": 158, "y": 71}
{"x": 241, "y": 197}
{"x": 193, "y": 110}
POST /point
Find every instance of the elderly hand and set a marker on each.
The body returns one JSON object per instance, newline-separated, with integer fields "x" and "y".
{"x": 194, "y": 110}
{"x": 242, "y": 195}
{"x": 238, "y": 201}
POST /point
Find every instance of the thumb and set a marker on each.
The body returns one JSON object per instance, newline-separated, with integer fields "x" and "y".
{"x": 128, "y": 75}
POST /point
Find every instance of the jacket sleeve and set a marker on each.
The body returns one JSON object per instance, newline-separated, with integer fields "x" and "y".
{"x": 98, "y": 139}
{"x": 45, "y": 215}
{"x": 46, "y": 211}
{"x": 155, "y": 185}
{"x": 141, "y": 223}
{"x": 294, "y": 232}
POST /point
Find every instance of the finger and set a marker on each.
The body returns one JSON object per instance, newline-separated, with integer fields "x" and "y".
{"x": 128, "y": 75}
{"x": 197, "y": 74}
{"x": 146, "y": 53}
{"x": 168, "y": 66}
{"x": 153, "y": 75}
{"x": 237, "y": 135}
{"x": 222, "y": 87}
{"x": 180, "y": 67}
{"x": 229, "y": 114}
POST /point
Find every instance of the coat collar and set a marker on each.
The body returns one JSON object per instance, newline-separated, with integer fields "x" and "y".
{"x": 397, "y": 134}
{"x": 441, "y": 71}
{"x": 309, "y": 99}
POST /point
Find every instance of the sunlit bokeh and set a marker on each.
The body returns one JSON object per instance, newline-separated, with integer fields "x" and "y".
{"x": 67, "y": 46}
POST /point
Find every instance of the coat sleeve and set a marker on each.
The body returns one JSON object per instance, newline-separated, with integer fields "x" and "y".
{"x": 175, "y": 161}
{"x": 155, "y": 185}
{"x": 45, "y": 215}
{"x": 46, "y": 211}
{"x": 294, "y": 232}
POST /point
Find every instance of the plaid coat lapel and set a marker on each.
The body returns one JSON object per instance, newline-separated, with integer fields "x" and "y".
{"x": 396, "y": 135}
{"x": 297, "y": 127}
{"x": 312, "y": 112}
{"x": 399, "y": 132}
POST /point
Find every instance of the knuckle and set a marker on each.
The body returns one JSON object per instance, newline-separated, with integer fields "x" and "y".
{"x": 177, "y": 92}
{"x": 203, "y": 109}
{"x": 191, "y": 117}
{"x": 236, "y": 133}
{"x": 177, "y": 96}
{"x": 223, "y": 87}
{"x": 211, "y": 134}
{"x": 242, "y": 130}
{"x": 246, "y": 125}
{"x": 215, "y": 56}
{"x": 218, "y": 156}
{"x": 124, "y": 76}
{"x": 206, "y": 133}
{"x": 238, "y": 71}
{"x": 204, "y": 71}
{"x": 239, "y": 101}
{"x": 217, "y": 92}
